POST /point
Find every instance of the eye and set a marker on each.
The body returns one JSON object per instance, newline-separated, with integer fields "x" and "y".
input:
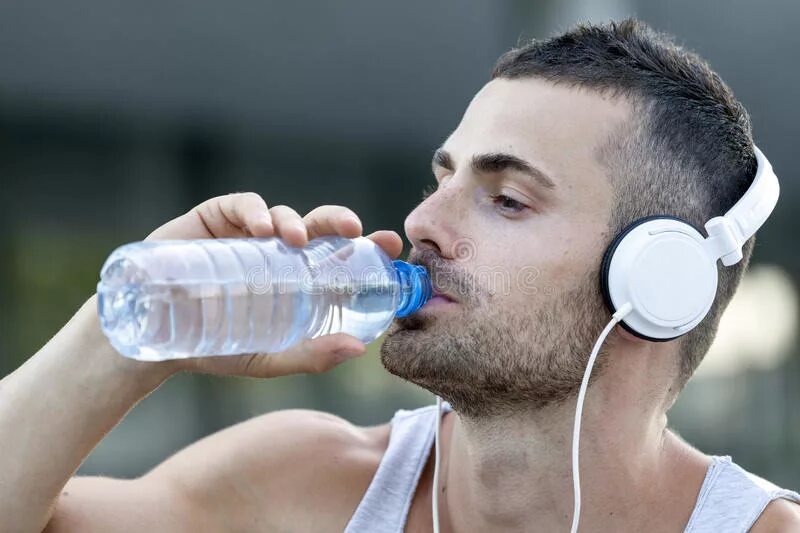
{"x": 508, "y": 204}
{"x": 428, "y": 190}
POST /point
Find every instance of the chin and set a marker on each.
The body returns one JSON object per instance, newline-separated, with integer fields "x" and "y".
{"x": 406, "y": 346}
{"x": 415, "y": 322}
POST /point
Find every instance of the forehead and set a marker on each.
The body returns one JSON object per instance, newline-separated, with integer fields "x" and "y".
{"x": 555, "y": 127}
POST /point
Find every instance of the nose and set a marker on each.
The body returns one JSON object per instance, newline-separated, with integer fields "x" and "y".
{"x": 434, "y": 223}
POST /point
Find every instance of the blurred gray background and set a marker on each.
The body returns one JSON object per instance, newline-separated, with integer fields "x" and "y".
{"x": 117, "y": 116}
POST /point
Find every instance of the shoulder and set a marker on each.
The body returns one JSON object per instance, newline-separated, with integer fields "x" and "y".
{"x": 315, "y": 438}
{"x": 274, "y": 468}
{"x": 780, "y": 516}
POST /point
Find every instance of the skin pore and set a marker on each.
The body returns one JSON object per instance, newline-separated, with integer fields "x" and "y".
{"x": 509, "y": 358}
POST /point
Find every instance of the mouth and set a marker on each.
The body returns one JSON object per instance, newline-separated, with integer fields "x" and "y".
{"x": 440, "y": 299}
{"x": 443, "y": 297}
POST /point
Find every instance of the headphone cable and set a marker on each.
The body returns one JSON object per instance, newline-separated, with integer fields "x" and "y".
{"x": 437, "y": 459}
{"x": 576, "y": 430}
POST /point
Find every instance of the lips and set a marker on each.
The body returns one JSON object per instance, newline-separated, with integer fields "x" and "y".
{"x": 441, "y": 296}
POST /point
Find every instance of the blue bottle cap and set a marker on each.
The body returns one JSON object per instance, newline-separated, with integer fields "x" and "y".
{"x": 415, "y": 287}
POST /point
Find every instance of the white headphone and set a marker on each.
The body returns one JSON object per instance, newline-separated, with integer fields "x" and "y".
{"x": 667, "y": 270}
{"x": 659, "y": 279}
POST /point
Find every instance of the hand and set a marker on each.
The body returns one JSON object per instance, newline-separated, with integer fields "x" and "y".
{"x": 244, "y": 215}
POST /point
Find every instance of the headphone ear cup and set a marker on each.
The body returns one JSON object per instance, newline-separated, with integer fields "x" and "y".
{"x": 660, "y": 265}
{"x": 605, "y": 264}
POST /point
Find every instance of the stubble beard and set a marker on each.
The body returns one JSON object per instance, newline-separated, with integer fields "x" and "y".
{"x": 490, "y": 360}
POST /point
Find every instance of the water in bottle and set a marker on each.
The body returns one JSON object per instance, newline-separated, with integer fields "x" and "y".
{"x": 162, "y": 300}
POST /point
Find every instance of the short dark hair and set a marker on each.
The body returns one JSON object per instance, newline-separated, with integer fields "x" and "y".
{"x": 689, "y": 151}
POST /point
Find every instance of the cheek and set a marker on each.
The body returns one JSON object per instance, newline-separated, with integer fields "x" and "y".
{"x": 505, "y": 280}
{"x": 523, "y": 274}
{"x": 573, "y": 250}
{"x": 549, "y": 254}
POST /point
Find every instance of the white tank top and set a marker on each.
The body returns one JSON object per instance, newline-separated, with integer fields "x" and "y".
{"x": 730, "y": 499}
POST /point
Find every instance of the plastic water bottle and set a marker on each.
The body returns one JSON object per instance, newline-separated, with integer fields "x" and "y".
{"x": 162, "y": 300}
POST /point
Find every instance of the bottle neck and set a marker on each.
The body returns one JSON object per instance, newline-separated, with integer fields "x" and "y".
{"x": 415, "y": 287}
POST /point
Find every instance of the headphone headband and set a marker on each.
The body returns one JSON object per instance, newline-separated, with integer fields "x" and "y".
{"x": 727, "y": 234}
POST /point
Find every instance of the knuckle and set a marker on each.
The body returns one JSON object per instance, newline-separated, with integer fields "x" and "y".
{"x": 249, "y": 363}
{"x": 258, "y": 365}
{"x": 326, "y": 214}
{"x": 342, "y": 210}
{"x": 216, "y": 202}
{"x": 230, "y": 197}
{"x": 207, "y": 203}
{"x": 206, "y": 209}
{"x": 251, "y": 196}
{"x": 316, "y": 212}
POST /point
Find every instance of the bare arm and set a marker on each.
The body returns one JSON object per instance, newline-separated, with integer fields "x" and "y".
{"x": 284, "y": 471}
{"x": 55, "y": 409}
{"x": 61, "y": 402}
{"x": 780, "y": 516}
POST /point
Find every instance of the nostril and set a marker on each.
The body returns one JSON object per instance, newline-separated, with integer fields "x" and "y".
{"x": 432, "y": 245}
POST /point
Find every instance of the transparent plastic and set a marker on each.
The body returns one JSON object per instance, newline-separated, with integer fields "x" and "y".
{"x": 161, "y": 300}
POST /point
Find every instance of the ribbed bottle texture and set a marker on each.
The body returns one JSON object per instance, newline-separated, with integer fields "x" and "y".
{"x": 162, "y": 300}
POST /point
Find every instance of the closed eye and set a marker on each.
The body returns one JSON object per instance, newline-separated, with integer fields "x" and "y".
{"x": 428, "y": 190}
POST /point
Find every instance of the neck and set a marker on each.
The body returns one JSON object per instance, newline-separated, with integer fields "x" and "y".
{"x": 512, "y": 471}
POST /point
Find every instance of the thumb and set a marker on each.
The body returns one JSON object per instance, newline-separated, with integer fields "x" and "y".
{"x": 309, "y": 356}
{"x": 390, "y": 241}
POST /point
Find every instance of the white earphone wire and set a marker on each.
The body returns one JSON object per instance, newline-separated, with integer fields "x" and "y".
{"x": 576, "y": 430}
{"x": 437, "y": 458}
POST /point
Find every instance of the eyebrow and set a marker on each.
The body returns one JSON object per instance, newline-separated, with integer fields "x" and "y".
{"x": 496, "y": 162}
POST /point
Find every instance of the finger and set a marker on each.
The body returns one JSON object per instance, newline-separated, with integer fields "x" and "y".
{"x": 289, "y": 226}
{"x": 318, "y": 355}
{"x": 190, "y": 225}
{"x": 213, "y": 221}
{"x": 308, "y": 357}
{"x": 248, "y": 211}
{"x": 389, "y": 241}
{"x": 332, "y": 220}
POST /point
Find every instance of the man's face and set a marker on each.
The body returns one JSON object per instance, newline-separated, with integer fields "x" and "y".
{"x": 512, "y": 236}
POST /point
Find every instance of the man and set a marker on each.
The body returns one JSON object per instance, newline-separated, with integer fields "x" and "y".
{"x": 571, "y": 140}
